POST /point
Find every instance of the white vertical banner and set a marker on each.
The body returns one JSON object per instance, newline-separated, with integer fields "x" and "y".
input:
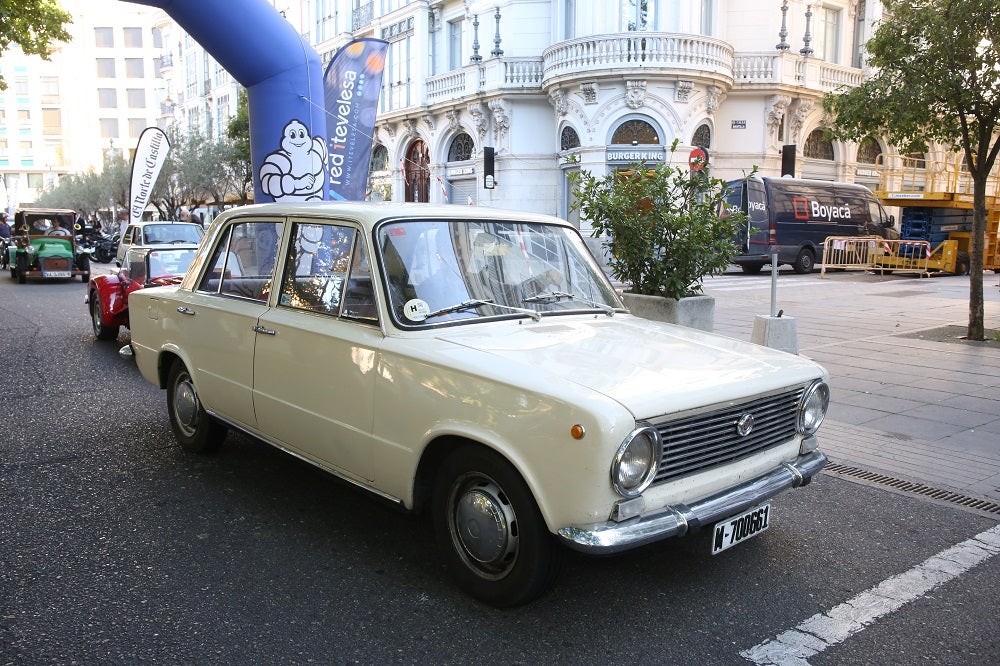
{"x": 149, "y": 157}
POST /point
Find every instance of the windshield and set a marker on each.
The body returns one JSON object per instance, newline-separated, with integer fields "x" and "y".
{"x": 442, "y": 271}
{"x": 154, "y": 234}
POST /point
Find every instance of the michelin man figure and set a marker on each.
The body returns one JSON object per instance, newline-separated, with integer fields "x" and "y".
{"x": 295, "y": 171}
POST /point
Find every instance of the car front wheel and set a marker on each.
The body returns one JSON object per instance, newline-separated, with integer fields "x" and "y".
{"x": 101, "y": 332}
{"x": 196, "y": 431}
{"x": 490, "y": 530}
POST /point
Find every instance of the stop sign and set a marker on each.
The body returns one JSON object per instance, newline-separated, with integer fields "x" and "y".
{"x": 697, "y": 159}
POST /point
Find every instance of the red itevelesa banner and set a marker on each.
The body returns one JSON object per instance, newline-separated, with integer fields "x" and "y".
{"x": 351, "y": 89}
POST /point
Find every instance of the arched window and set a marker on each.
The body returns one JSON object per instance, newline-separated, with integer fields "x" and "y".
{"x": 380, "y": 159}
{"x": 635, "y": 132}
{"x": 702, "y": 137}
{"x": 568, "y": 139}
{"x": 461, "y": 148}
{"x": 868, "y": 150}
{"x": 818, "y": 146}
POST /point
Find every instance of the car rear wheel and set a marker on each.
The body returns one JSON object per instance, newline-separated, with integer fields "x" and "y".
{"x": 101, "y": 332}
{"x": 751, "y": 269}
{"x": 196, "y": 431}
{"x": 490, "y": 530}
{"x": 805, "y": 262}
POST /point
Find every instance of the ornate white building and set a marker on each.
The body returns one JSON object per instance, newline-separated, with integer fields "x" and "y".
{"x": 610, "y": 81}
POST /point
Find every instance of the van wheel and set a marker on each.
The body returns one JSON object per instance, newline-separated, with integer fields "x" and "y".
{"x": 805, "y": 262}
{"x": 751, "y": 269}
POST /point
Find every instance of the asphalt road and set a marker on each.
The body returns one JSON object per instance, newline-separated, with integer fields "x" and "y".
{"x": 118, "y": 548}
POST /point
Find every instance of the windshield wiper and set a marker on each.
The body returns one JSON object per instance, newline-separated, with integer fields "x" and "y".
{"x": 479, "y": 302}
{"x": 556, "y": 296}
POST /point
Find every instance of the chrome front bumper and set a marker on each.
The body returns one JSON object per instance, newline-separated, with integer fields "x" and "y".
{"x": 679, "y": 519}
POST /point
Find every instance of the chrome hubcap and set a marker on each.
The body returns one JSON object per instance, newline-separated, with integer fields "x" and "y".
{"x": 186, "y": 405}
{"x": 485, "y": 527}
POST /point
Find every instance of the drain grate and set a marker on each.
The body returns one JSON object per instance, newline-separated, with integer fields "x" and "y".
{"x": 922, "y": 489}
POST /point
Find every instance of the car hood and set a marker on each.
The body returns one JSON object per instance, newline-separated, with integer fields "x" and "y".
{"x": 648, "y": 367}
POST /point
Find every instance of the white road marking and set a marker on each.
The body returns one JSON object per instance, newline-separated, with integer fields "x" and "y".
{"x": 794, "y": 647}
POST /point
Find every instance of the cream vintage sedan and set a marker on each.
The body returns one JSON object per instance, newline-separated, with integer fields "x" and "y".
{"x": 477, "y": 364}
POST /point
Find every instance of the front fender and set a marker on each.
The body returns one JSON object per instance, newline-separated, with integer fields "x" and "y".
{"x": 114, "y": 300}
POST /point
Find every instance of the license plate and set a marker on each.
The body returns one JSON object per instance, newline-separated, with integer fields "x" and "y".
{"x": 739, "y": 528}
{"x": 57, "y": 274}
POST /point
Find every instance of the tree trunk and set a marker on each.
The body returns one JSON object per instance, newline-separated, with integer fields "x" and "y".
{"x": 975, "y": 331}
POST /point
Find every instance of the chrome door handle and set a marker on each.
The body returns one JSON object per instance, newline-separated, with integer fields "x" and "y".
{"x": 265, "y": 331}
{"x": 184, "y": 310}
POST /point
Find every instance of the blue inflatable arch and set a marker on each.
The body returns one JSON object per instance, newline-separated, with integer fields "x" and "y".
{"x": 283, "y": 76}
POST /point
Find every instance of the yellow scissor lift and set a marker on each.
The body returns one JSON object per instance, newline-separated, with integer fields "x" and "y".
{"x": 940, "y": 193}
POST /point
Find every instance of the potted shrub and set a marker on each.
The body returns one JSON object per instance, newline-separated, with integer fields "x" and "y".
{"x": 664, "y": 233}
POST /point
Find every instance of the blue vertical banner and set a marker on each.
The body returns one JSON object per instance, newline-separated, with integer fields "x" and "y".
{"x": 351, "y": 88}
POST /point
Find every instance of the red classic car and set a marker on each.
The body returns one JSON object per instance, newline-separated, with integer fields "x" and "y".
{"x": 107, "y": 295}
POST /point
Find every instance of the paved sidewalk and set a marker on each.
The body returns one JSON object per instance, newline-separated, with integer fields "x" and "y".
{"x": 908, "y": 400}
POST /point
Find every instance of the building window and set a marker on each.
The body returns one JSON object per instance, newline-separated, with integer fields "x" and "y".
{"x": 51, "y": 122}
{"x": 568, "y": 139}
{"x": 398, "y": 79}
{"x": 133, "y": 38}
{"x": 136, "y": 98}
{"x": 828, "y": 34}
{"x": 134, "y": 68}
{"x": 23, "y": 117}
{"x": 105, "y": 68}
{"x": 461, "y": 148}
{"x": 35, "y": 181}
{"x": 104, "y": 38}
{"x": 634, "y": 132}
{"x": 157, "y": 39}
{"x": 135, "y": 127}
{"x": 702, "y": 137}
{"x": 107, "y": 98}
{"x": 818, "y": 146}
{"x": 455, "y": 44}
{"x": 21, "y": 86}
{"x": 708, "y": 17}
{"x": 868, "y": 150}
{"x": 637, "y": 14}
{"x": 380, "y": 159}
{"x": 109, "y": 128}
{"x": 569, "y": 19}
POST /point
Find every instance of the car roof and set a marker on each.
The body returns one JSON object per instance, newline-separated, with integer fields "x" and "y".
{"x": 370, "y": 213}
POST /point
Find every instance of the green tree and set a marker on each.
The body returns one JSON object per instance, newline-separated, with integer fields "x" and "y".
{"x": 239, "y": 164}
{"x": 935, "y": 79}
{"x": 32, "y": 25}
{"x": 661, "y": 224}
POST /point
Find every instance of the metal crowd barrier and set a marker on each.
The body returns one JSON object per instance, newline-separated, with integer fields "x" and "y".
{"x": 874, "y": 253}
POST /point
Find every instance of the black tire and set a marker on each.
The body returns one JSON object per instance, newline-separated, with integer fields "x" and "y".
{"x": 513, "y": 558}
{"x": 101, "y": 332}
{"x": 195, "y": 430}
{"x": 21, "y": 269}
{"x": 84, "y": 264}
{"x": 805, "y": 262}
{"x": 751, "y": 269}
{"x": 962, "y": 263}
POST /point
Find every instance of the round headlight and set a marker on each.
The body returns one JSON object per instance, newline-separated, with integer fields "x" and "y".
{"x": 812, "y": 408}
{"x": 636, "y": 461}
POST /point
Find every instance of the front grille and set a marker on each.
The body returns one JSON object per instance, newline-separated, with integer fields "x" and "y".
{"x": 56, "y": 264}
{"x": 702, "y": 441}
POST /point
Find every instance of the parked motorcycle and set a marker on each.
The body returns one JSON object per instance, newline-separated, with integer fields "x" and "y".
{"x": 105, "y": 248}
